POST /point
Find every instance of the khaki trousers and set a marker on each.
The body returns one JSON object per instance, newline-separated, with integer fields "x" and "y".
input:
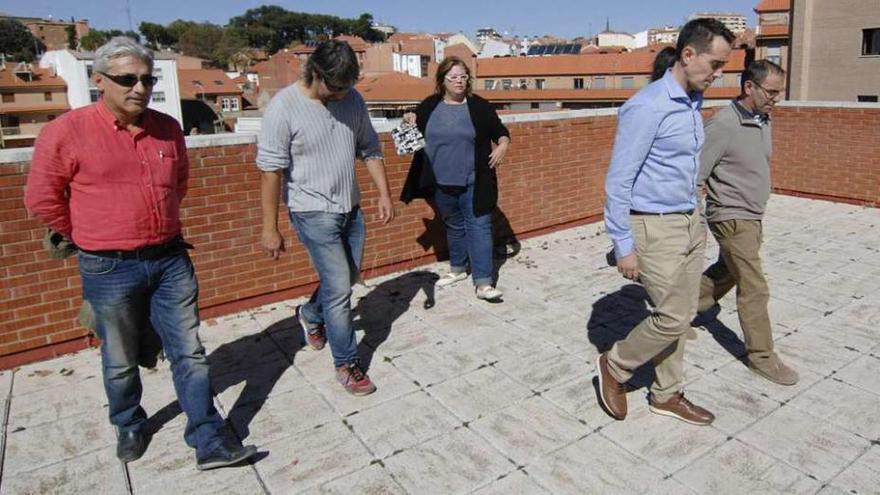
{"x": 670, "y": 253}
{"x": 739, "y": 264}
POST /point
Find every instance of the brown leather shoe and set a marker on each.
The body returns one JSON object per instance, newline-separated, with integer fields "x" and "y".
{"x": 681, "y": 408}
{"x": 612, "y": 394}
{"x": 773, "y": 369}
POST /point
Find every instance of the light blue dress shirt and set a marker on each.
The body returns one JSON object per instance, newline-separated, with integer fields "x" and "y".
{"x": 656, "y": 157}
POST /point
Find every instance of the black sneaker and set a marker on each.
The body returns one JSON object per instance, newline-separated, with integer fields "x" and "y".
{"x": 228, "y": 453}
{"x": 130, "y": 445}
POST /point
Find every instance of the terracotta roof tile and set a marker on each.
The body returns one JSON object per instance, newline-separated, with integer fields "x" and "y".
{"x": 773, "y": 6}
{"x": 585, "y": 94}
{"x": 42, "y": 78}
{"x": 612, "y": 63}
{"x": 773, "y": 30}
{"x": 394, "y": 87}
{"x": 195, "y": 82}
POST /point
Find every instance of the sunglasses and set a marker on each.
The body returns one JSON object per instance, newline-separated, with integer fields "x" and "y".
{"x": 129, "y": 80}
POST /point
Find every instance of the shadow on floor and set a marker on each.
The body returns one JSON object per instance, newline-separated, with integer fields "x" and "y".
{"x": 381, "y": 307}
{"x": 258, "y": 361}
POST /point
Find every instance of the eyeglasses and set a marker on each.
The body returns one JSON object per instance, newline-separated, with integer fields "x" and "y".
{"x": 462, "y": 77}
{"x": 130, "y": 80}
{"x": 771, "y": 93}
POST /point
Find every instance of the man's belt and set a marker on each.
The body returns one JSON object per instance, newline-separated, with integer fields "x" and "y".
{"x": 147, "y": 253}
{"x": 685, "y": 212}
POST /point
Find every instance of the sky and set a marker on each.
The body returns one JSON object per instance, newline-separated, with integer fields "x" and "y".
{"x": 564, "y": 18}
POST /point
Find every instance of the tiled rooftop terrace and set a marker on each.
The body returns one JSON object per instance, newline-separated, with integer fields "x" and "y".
{"x": 497, "y": 398}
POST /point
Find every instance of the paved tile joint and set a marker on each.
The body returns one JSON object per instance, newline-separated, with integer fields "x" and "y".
{"x": 498, "y": 398}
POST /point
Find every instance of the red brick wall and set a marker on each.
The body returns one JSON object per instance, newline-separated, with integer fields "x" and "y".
{"x": 828, "y": 153}
{"x": 552, "y": 178}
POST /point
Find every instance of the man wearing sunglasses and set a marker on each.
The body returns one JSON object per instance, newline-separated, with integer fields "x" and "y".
{"x": 311, "y": 134}
{"x": 735, "y": 167}
{"x": 111, "y": 176}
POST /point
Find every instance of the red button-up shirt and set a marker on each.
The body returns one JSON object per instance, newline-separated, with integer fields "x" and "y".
{"x": 106, "y": 187}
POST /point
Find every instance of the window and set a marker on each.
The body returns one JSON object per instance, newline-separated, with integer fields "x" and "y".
{"x": 599, "y": 82}
{"x": 89, "y": 69}
{"x": 523, "y": 84}
{"x": 774, "y": 53}
{"x": 158, "y": 97}
{"x": 157, "y": 71}
{"x": 628, "y": 82}
{"x": 8, "y": 97}
{"x": 506, "y": 84}
{"x": 47, "y": 96}
{"x": 224, "y": 104}
{"x": 235, "y": 105}
{"x": 539, "y": 83}
{"x": 868, "y": 98}
{"x": 489, "y": 84}
{"x": 94, "y": 95}
{"x": 871, "y": 41}
{"x": 579, "y": 83}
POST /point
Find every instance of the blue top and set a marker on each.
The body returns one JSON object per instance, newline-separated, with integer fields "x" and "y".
{"x": 656, "y": 157}
{"x": 449, "y": 144}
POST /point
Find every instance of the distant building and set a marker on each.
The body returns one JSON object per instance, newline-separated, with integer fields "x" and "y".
{"x": 581, "y": 81}
{"x": 271, "y": 76}
{"x": 76, "y": 69}
{"x": 835, "y": 50}
{"x": 53, "y": 33}
{"x": 487, "y": 33}
{"x": 386, "y": 29}
{"x": 31, "y": 97}
{"x": 772, "y": 39}
{"x": 496, "y": 48}
{"x": 211, "y": 101}
{"x": 612, "y": 38}
{"x": 734, "y": 22}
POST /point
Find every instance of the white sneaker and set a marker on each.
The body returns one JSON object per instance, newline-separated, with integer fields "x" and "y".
{"x": 450, "y": 278}
{"x": 488, "y": 293}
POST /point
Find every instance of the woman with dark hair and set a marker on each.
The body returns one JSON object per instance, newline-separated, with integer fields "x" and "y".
{"x": 662, "y": 62}
{"x": 457, "y": 169}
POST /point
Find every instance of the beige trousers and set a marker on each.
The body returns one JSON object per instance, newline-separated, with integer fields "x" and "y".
{"x": 739, "y": 264}
{"x": 670, "y": 254}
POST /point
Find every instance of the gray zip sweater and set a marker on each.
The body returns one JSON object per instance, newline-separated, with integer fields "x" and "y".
{"x": 735, "y": 165}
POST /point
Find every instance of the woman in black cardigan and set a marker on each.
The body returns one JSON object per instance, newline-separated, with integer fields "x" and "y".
{"x": 457, "y": 170}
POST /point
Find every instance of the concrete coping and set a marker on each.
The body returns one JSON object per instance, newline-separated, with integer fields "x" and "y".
{"x": 17, "y": 155}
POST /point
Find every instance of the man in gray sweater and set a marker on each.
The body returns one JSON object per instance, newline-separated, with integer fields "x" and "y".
{"x": 735, "y": 167}
{"x": 311, "y": 134}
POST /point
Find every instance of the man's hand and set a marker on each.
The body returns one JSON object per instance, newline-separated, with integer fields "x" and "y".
{"x": 628, "y": 266}
{"x": 386, "y": 209}
{"x": 272, "y": 243}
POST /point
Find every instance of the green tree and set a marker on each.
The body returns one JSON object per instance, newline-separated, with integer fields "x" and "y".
{"x": 71, "y": 36}
{"x": 201, "y": 40}
{"x": 156, "y": 35}
{"x": 17, "y": 42}
{"x": 93, "y": 39}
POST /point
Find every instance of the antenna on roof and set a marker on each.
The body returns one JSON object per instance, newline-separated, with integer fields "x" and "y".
{"x": 607, "y": 24}
{"x": 128, "y": 14}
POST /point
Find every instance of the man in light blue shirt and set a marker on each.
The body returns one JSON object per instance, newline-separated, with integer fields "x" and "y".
{"x": 651, "y": 217}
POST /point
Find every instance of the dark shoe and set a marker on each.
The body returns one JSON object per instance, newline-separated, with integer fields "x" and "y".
{"x": 612, "y": 394}
{"x": 355, "y": 381}
{"x": 228, "y": 453}
{"x": 773, "y": 369}
{"x": 130, "y": 445}
{"x": 681, "y": 408}
{"x": 706, "y": 316}
{"x": 316, "y": 336}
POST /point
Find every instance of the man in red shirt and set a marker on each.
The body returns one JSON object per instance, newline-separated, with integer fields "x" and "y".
{"x": 111, "y": 176}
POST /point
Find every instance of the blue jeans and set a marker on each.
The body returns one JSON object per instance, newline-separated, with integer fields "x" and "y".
{"x": 469, "y": 236}
{"x": 335, "y": 242}
{"x": 124, "y": 295}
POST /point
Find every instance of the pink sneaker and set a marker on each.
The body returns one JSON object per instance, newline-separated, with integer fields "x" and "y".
{"x": 315, "y": 334}
{"x": 355, "y": 381}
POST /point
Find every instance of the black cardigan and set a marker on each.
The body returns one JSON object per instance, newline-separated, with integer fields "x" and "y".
{"x": 488, "y": 127}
